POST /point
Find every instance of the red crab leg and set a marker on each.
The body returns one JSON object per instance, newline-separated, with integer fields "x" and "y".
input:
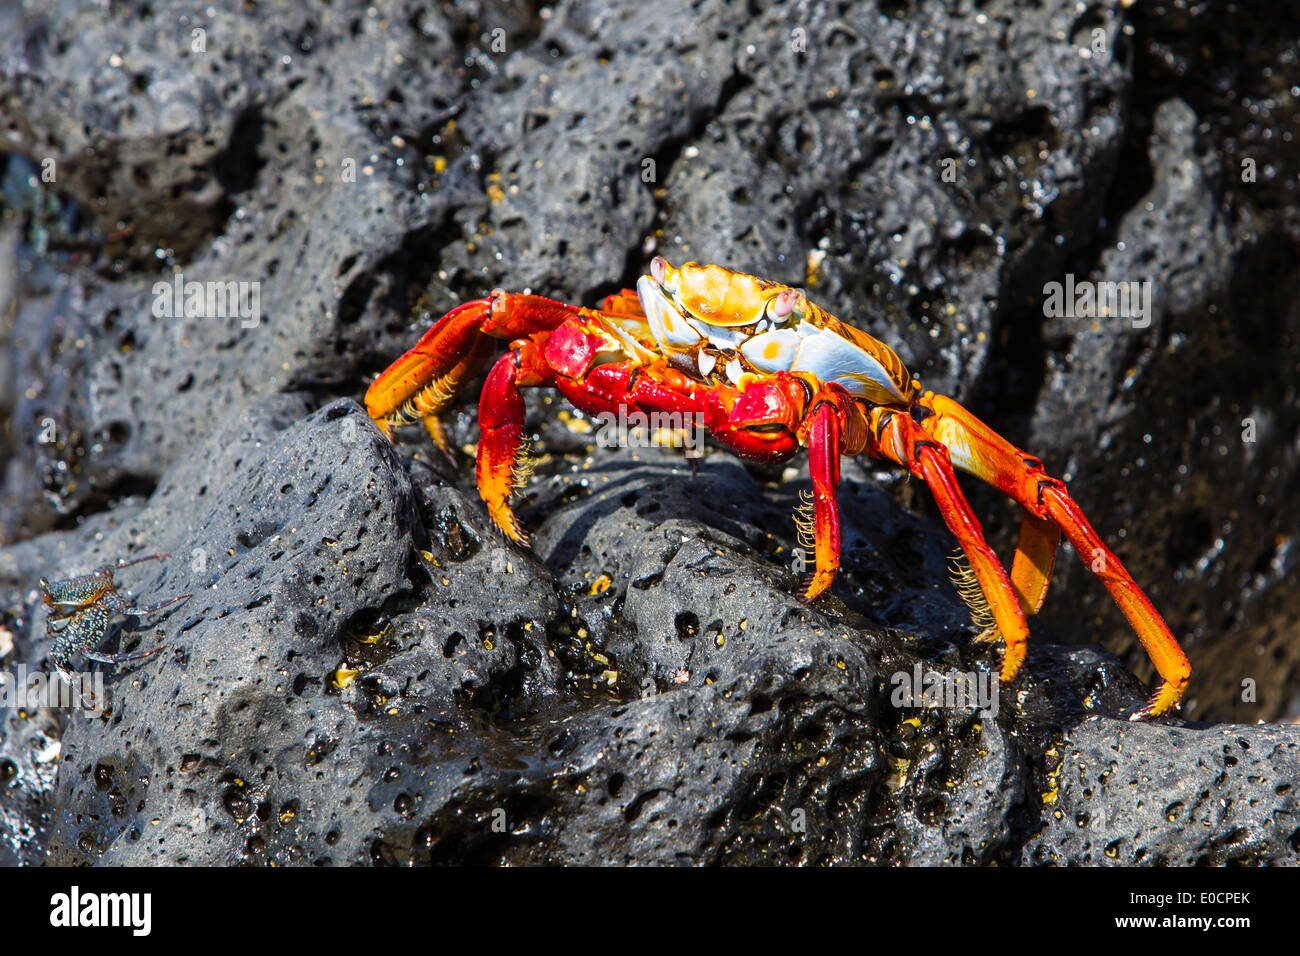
{"x": 898, "y": 438}
{"x": 501, "y": 429}
{"x": 768, "y": 418}
{"x": 563, "y": 358}
{"x": 823, "y": 441}
{"x": 836, "y": 425}
{"x": 987, "y": 455}
{"x": 424, "y": 381}
{"x": 574, "y": 352}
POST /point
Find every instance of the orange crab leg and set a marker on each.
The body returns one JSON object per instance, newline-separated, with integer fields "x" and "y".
{"x": 415, "y": 376}
{"x": 624, "y": 303}
{"x": 978, "y": 449}
{"x": 424, "y": 381}
{"x": 899, "y": 438}
{"x": 823, "y": 440}
{"x": 1031, "y": 569}
{"x": 450, "y": 384}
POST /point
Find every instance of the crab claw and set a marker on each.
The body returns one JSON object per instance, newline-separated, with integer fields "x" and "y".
{"x": 760, "y": 420}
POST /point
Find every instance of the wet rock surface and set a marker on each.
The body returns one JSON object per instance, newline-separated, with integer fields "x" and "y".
{"x": 368, "y": 673}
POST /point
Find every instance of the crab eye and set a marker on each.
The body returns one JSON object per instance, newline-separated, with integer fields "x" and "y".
{"x": 784, "y": 304}
{"x": 658, "y": 269}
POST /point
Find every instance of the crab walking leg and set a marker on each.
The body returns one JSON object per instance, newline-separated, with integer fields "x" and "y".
{"x": 1031, "y": 568}
{"x": 978, "y": 449}
{"x": 422, "y": 382}
{"x": 79, "y": 632}
{"x": 119, "y": 604}
{"x": 900, "y": 439}
{"x": 123, "y": 658}
{"x": 823, "y": 439}
{"x": 127, "y": 562}
{"x": 624, "y": 303}
{"x": 836, "y": 425}
{"x": 415, "y": 375}
{"x": 501, "y": 430}
{"x": 566, "y": 358}
{"x": 448, "y": 386}
{"x": 1161, "y": 646}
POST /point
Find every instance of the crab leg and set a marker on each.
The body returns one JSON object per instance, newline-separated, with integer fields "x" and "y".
{"x": 122, "y": 658}
{"x": 412, "y": 384}
{"x": 501, "y": 428}
{"x": 899, "y": 438}
{"x": 834, "y": 426}
{"x": 127, "y": 562}
{"x": 978, "y": 449}
{"x": 624, "y": 303}
{"x": 563, "y": 358}
{"x": 119, "y": 604}
{"x": 449, "y": 385}
{"x": 823, "y": 440}
{"x": 424, "y": 381}
{"x": 1031, "y": 568}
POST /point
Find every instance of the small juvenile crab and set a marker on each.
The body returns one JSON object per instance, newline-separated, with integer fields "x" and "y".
{"x": 768, "y": 372}
{"x": 79, "y": 615}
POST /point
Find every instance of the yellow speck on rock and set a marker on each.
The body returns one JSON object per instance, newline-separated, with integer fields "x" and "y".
{"x": 579, "y": 426}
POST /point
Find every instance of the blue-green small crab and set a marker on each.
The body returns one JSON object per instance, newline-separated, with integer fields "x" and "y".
{"x": 79, "y": 613}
